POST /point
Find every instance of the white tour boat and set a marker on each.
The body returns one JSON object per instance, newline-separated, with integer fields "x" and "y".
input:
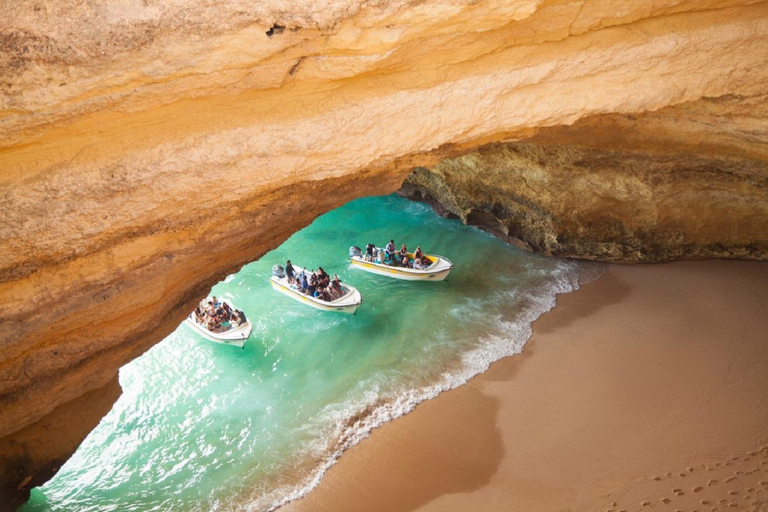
{"x": 437, "y": 270}
{"x": 232, "y": 333}
{"x": 349, "y": 301}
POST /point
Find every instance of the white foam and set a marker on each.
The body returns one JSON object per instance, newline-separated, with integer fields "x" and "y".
{"x": 355, "y": 421}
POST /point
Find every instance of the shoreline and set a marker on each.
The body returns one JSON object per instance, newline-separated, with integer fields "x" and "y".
{"x": 645, "y": 388}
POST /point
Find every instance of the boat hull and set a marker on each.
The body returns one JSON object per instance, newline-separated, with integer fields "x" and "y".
{"x": 440, "y": 271}
{"x": 347, "y": 304}
{"x": 236, "y": 337}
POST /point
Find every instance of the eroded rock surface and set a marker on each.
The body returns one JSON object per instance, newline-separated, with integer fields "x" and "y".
{"x": 685, "y": 182}
{"x": 148, "y": 149}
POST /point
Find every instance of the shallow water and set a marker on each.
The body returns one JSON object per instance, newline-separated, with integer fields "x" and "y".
{"x": 202, "y": 426}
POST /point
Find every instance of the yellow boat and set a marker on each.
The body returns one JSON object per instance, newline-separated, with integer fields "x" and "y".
{"x": 438, "y": 269}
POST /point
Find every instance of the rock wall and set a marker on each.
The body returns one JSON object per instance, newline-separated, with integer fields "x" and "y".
{"x": 684, "y": 182}
{"x": 148, "y": 148}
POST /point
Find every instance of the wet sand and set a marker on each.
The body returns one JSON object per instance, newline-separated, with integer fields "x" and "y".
{"x": 644, "y": 390}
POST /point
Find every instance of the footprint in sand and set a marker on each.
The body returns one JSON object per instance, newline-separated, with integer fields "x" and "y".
{"x": 645, "y": 503}
{"x": 730, "y": 479}
{"x": 711, "y": 483}
{"x": 733, "y": 493}
{"x": 666, "y": 501}
{"x": 705, "y": 502}
{"x": 697, "y": 489}
{"x": 657, "y": 478}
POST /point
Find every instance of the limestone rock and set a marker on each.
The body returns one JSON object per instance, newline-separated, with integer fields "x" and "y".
{"x": 148, "y": 148}
{"x": 685, "y": 182}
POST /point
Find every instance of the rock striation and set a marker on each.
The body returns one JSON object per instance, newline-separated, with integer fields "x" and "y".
{"x": 148, "y": 149}
{"x": 684, "y": 182}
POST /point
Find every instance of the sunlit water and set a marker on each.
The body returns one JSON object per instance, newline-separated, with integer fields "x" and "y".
{"x": 202, "y": 426}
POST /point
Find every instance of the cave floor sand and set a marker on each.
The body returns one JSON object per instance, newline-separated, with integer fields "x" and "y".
{"x": 646, "y": 389}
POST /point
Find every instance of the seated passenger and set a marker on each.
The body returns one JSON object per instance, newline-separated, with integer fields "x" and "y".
{"x": 403, "y": 251}
{"x": 369, "y": 252}
{"x": 417, "y": 254}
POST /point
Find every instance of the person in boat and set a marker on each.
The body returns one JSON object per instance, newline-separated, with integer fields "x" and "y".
{"x": 369, "y": 252}
{"x": 312, "y": 284}
{"x": 417, "y": 254}
{"x": 304, "y": 283}
{"x": 289, "y": 272}
{"x": 403, "y": 255}
{"x": 390, "y": 251}
{"x": 323, "y": 279}
{"x": 216, "y": 302}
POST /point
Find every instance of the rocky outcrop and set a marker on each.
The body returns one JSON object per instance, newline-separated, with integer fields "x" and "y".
{"x": 150, "y": 148}
{"x": 684, "y": 182}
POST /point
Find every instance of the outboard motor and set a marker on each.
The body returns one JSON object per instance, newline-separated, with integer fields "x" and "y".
{"x": 355, "y": 251}
{"x": 278, "y": 271}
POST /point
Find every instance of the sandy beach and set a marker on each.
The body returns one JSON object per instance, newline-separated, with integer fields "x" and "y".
{"x": 646, "y": 389}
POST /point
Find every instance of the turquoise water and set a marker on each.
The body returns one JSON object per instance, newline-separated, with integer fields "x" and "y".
{"x": 202, "y": 426}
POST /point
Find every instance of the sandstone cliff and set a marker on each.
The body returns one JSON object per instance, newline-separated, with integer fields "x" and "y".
{"x": 149, "y": 148}
{"x": 684, "y": 182}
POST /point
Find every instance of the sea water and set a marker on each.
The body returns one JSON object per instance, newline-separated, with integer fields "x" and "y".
{"x": 204, "y": 426}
